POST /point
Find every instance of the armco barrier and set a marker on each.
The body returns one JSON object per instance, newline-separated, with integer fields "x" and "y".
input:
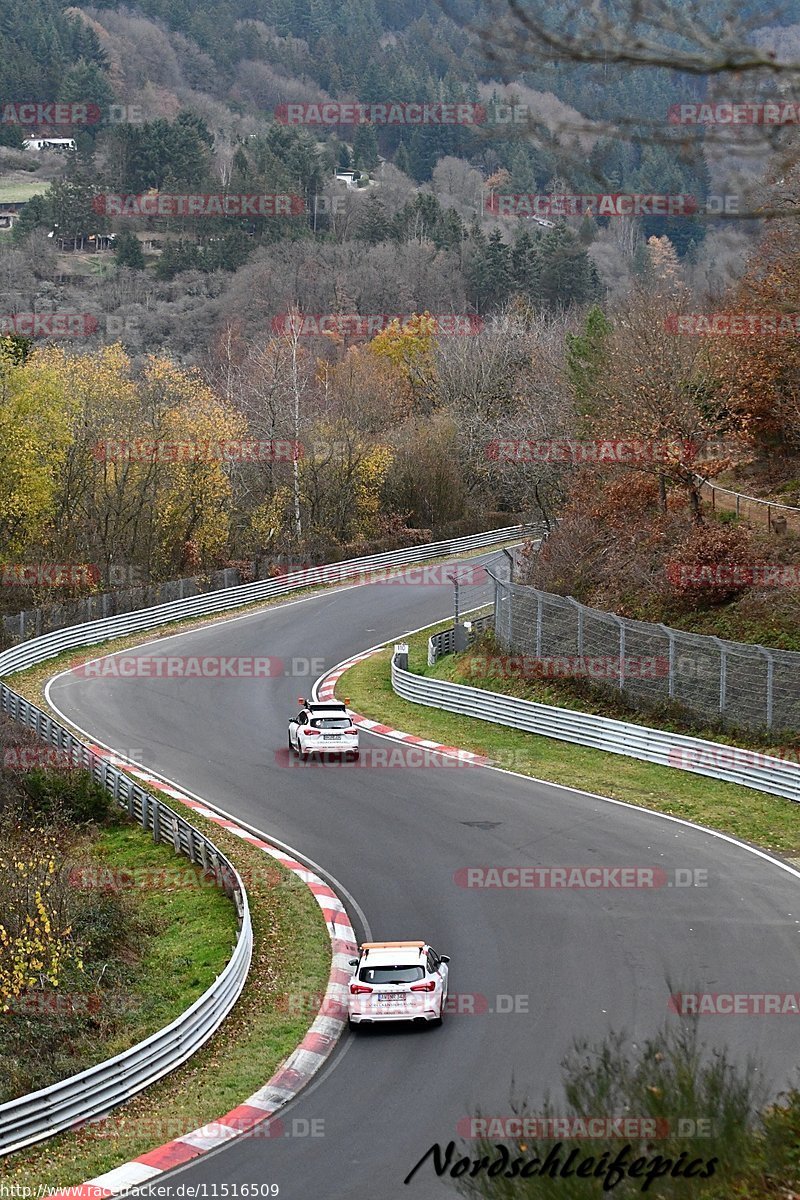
{"x": 728, "y": 763}
{"x": 444, "y": 642}
{"x": 37, "y": 650}
{"x": 50, "y": 1110}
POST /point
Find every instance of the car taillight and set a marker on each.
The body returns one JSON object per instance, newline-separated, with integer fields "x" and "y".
{"x": 354, "y": 730}
{"x": 314, "y": 731}
{"x": 358, "y": 989}
{"x": 424, "y": 987}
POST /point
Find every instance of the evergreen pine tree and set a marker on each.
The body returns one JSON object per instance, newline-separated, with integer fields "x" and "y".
{"x": 128, "y": 250}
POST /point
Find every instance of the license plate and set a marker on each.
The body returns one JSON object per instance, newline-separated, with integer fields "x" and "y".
{"x": 330, "y": 737}
{"x": 390, "y": 998}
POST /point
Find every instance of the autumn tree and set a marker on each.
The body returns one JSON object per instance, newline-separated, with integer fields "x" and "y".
{"x": 760, "y": 370}
{"x": 657, "y": 386}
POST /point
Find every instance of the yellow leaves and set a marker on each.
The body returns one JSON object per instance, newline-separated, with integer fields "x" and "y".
{"x": 408, "y": 342}
{"x": 35, "y": 422}
{"x": 34, "y": 945}
{"x": 268, "y": 519}
{"x": 194, "y": 492}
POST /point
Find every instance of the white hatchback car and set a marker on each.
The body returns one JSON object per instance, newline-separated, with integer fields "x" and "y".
{"x": 397, "y": 981}
{"x": 324, "y": 728}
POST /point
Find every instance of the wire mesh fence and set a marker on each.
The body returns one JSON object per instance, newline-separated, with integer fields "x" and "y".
{"x": 761, "y": 514}
{"x": 734, "y": 684}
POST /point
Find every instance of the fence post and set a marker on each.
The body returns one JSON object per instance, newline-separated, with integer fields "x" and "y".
{"x": 621, "y": 653}
{"x": 538, "y": 624}
{"x": 770, "y": 682}
{"x": 723, "y": 674}
{"x": 738, "y": 498}
{"x": 671, "y": 640}
{"x": 579, "y": 632}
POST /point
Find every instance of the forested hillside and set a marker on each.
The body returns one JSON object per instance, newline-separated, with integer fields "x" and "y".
{"x": 177, "y": 325}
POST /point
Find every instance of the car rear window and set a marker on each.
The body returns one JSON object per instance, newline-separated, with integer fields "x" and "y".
{"x": 391, "y": 974}
{"x": 331, "y": 723}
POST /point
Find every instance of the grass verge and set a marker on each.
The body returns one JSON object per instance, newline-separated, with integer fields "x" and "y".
{"x": 289, "y": 973}
{"x": 766, "y": 821}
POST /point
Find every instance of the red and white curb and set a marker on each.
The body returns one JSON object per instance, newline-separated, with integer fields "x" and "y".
{"x": 293, "y": 1075}
{"x": 326, "y": 689}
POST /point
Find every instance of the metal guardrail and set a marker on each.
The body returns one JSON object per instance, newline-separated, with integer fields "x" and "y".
{"x": 40, "y": 1114}
{"x": 444, "y": 642}
{"x": 713, "y": 759}
{"x": 37, "y": 650}
{"x": 91, "y": 1093}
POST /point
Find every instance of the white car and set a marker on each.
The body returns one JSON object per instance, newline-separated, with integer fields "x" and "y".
{"x": 324, "y": 728}
{"x": 397, "y": 981}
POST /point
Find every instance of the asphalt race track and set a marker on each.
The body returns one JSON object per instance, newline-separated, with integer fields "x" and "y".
{"x": 580, "y": 961}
